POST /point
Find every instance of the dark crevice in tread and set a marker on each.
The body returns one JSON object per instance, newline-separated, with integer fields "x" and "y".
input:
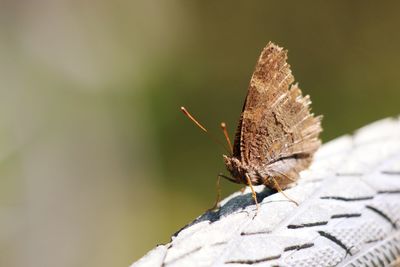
{"x": 335, "y": 240}
{"x": 165, "y": 255}
{"x": 349, "y": 174}
{"x": 298, "y": 247}
{"x": 372, "y": 240}
{"x": 386, "y": 256}
{"x": 381, "y": 262}
{"x": 348, "y": 199}
{"x": 255, "y": 233}
{"x": 381, "y": 213}
{"x": 396, "y": 191}
{"x": 219, "y": 243}
{"x": 254, "y": 261}
{"x": 391, "y": 172}
{"x": 346, "y": 215}
{"x": 296, "y": 226}
{"x": 374, "y": 264}
{"x": 391, "y": 254}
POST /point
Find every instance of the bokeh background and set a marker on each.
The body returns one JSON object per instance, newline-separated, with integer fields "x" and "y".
{"x": 97, "y": 163}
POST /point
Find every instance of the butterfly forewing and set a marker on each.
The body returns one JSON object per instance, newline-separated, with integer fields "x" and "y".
{"x": 276, "y": 131}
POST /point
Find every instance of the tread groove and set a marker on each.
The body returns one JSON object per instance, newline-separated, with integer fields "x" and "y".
{"x": 381, "y": 213}
{"x": 296, "y": 226}
{"x": 335, "y": 240}
{"x": 298, "y": 247}
{"x": 346, "y": 215}
{"x": 254, "y": 261}
{"x": 348, "y": 199}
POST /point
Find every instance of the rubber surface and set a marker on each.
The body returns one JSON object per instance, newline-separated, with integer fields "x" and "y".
{"x": 349, "y": 214}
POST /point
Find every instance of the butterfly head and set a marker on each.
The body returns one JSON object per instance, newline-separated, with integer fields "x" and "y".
{"x": 236, "y": 168}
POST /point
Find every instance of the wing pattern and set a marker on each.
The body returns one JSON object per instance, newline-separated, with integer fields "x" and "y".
{"x": 276, "y": 131}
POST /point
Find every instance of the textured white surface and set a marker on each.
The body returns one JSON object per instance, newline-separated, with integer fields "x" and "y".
{"x": 349, "y": 214}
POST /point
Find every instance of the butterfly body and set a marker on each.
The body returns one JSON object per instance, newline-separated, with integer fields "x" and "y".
{"x": 277, "y": 135}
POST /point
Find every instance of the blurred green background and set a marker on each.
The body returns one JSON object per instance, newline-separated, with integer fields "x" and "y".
{"x": 97, "y": 163}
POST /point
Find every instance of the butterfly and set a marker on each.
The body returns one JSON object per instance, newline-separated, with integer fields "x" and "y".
{"x": 277, "y": 135}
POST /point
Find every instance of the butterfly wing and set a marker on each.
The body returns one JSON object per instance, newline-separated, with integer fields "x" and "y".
{"x": 276, "y": 123}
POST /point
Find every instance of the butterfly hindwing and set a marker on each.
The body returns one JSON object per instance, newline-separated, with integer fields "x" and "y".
{"x": 276, "y": 123}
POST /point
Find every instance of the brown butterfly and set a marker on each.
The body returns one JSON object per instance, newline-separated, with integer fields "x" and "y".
{"x": 277, "y": 135}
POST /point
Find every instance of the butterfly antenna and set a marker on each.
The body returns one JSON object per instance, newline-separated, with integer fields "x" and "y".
{"x": 223, "y": 127}
{"x": 198, "y": 124}
{"x": 187, "y": 114}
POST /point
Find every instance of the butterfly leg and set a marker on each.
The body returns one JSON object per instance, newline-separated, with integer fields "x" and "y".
{"x": 277, "y": 187}
{"x": 218, "y": 186}
{"x": 253, "y": 193}
{"x": 218, "y": 198}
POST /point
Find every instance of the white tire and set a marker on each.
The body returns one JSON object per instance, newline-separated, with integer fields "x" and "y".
{"x": 348, "y": 214}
